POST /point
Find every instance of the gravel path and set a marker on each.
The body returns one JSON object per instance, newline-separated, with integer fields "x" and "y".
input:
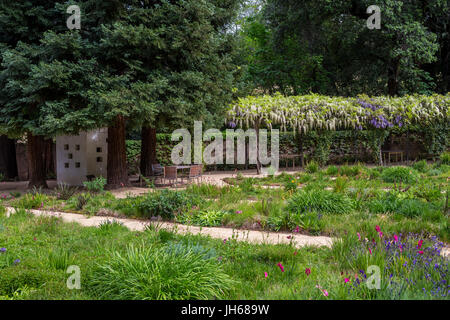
{"x": 251, "y": 236}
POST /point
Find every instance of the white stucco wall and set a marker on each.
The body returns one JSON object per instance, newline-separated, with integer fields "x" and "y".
{"x": 96, "y": 140}
{"x": 85, "y": 156}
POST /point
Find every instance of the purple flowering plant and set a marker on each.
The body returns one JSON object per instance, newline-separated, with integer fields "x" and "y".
{"x": 377, "y": 117}
{"x": 411, "y": 266}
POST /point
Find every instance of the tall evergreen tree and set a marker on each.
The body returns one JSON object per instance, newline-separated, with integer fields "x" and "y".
{"x": 187, "y": 59}
{"x": 132, "y": 64}
{"x": 22, "y": 24}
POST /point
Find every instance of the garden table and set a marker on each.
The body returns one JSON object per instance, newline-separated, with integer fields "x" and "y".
{"x": 171, "y": 172}
{"x": 390, "y": 153}
{"x": 293, "y": 157}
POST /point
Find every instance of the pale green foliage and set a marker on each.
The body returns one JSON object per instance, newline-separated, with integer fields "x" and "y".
{"x": 149, "y": 273}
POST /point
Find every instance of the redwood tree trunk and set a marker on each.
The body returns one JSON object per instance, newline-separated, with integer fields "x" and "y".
{"x": 49, "y": 157}
{"x": 36, "y": 162}
{"x": 393, "y": 71}
{"x": 117, "y": 158}
{"x": 8, "y": 164}
{"x": 148, "y": 151}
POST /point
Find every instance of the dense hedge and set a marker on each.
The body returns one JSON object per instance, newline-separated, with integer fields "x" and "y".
{"x": 328, "y": 147}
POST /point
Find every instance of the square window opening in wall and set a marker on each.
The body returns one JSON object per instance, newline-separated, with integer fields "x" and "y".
{"x": 77, "y": 165}
{"x": 99, "y": 159}
{"x": 70, "y": 156}
{"x": 77, "y": 147}
{"x": 66, "y": 165}
{"x": 99, "y": 149}
{"x": 66, "y": 147}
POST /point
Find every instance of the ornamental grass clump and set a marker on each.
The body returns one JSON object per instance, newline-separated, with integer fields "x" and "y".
{"x": 312, "y": 167}
{"x": 421, "y": 166}
{"x": 64, "y": 192}
{"x": 206, "y": 218}
{"x": 445, "y": 158}
{"x": 392, "y": 202}
{"x": 400, "y": 174}
{"x": 332, "y": 171}
{"x": 321, "y": 201}
{"x": 166, "y": 203}
{"x": 159, "y": 273}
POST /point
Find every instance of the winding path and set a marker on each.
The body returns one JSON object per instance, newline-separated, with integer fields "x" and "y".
{"x": 252, "y": 236}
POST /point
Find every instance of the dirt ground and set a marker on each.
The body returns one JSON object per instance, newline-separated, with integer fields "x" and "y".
{"x": 214, "y": 177}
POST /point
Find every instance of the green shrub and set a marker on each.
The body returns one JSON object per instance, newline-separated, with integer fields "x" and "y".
{"x": 96, "y": 185}
{"x": 391, "y": 203}
{"x": 341, "y": 184}
{"x": 312, "y": 167}
{"x": 133, "y": 152}
{"x": 152, "y": 273}
{"x": 81, "y": 201}
{"x": 128, "y": 206}
{"x": 64, "y": 192}
{"x": 332, "y": 171}
{"x": 59, "y": 259}
{"x": 311, "y": 222}
{"x": 277, "y": 222}
{"x": 445, "y": 158}
{"x": 31, "y": 201}
{"x": 427, "y": 191}
{"x": 209, "y": 218}
{"x": 421, "y": 166}
{"x": 375, "y": 173}
{"x": 2, "y": 177}
{"x": 269, "y": 206}
{"x": 17, "y": 277}
{"x": 91, "y": 203}
{"x": 110, "y": 227}
{"x": 2, "y": 210}
{"x": 290, "y": 185}
{"x": 306, "y": 177}
{"x": 434, "y": 172}
{"x": 444, "y": 168}
{"x": 400, "y": 174}
{"x": 166, "y": 203}
{"x": 247, "y": 185}
{"x": 321, "y": 201}
{"x": 350, "y": 171}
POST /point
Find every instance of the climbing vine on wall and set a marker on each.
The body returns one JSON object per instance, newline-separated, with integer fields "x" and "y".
{"x": 315, "y": 112}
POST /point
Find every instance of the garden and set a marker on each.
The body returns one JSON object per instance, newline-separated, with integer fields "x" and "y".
{"x": 393, "y": 217}
{"x": 314, "y": 160}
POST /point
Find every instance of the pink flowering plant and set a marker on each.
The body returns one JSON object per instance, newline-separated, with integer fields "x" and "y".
{"x": 411, "y": 266}
{"x": 31, "y": 201}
